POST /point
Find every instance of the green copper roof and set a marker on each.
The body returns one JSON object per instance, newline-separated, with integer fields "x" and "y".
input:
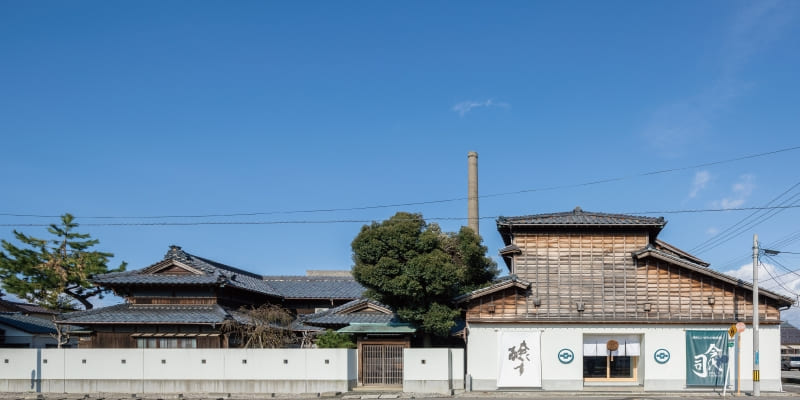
{"x": 378, "y": 328}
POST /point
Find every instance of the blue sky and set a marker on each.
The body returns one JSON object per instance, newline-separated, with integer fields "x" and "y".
{"x": 137, "y": 109}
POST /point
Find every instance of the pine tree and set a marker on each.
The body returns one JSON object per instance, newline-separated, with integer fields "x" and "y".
{"x": 54, "y": 273}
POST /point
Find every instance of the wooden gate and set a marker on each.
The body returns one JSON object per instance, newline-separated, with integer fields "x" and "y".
{"x": 382, "y": 364}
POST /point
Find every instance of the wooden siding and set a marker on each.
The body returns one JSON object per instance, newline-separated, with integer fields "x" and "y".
{"x": 108, "y": 337}
{"x": 598, "y": 270}
{"x": 174, "y": 270}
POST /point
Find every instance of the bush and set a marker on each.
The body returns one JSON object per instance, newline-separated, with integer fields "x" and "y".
{"x": 335, "y": 340}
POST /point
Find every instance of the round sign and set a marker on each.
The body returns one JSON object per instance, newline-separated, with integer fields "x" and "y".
{"x": 661, "y": 356}
{"x": 566, "y": 356}
{"x": 740, "y": 327}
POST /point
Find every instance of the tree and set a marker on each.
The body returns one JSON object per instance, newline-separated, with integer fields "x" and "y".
{"x": 335, "y": 340}
{"x": 417, "y": 269}
{"x": 54, "y": 273}
{"x": 264, "y": 327}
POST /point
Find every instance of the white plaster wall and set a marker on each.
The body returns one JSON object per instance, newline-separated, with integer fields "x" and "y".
{"x": 458, "y": 372}
{"x": 433, "y": 370}
{"x": 64, "y": 370}
{"x": 101, "y": 364}
{"x": 436, "y": 366}
{"x": 482, "y": 354}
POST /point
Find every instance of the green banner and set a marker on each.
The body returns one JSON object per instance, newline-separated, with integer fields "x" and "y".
{"x": 706, "y": 358}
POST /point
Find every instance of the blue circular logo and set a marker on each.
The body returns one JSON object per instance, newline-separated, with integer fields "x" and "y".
{"x": 566, "y": 356}
{"x": 661, "y": 356}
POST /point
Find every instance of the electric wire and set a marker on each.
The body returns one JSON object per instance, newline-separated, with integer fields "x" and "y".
{"x": 778, "y": 244}
{"x": 750, "y": 221}
{"x": 793, "y": 293}
{"x": 417, "y": 203}
{"x": 338, "y": 221}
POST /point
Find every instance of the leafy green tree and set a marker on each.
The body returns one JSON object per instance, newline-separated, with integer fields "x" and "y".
{"x": 331, "y": 339}
{"x": 54, "y": 273}
{"x": 417, "y": 269}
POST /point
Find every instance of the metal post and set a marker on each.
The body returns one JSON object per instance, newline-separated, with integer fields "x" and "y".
{"x": 738, "y": 363}
{"x": 756, "y": 374}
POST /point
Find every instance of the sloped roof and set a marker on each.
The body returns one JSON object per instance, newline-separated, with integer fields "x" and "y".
{"x": 204, "y": 272}
{"x": 211, "y": 273}
{"x": 25, "y": 307}
{"x": 496, "y": 286}
{"x": 580, "y": 217}
{"x": 27, "y": 323}
{"x": 577, "y": 218}
{"x": 149, "y": 314}
{"x": 664, "y": 246}
{"x": 652, "y": 251}
{"x": 386, "y": 328}
{"x": 351, "y": 312}
{"x": 316, "y": 287}
{"x": 790, "y": 335}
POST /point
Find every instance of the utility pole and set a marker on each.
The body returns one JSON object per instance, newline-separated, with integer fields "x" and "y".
{"x": 756, "y": 377}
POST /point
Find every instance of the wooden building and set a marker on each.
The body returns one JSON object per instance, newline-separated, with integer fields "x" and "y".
{"x": 182, "y": 300}
{"x": 597, "y": 299}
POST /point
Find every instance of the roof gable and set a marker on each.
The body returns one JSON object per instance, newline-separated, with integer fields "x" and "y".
{"x": 171, "y": 267}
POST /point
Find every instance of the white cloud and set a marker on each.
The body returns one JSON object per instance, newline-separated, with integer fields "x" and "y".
{"x": 701, "y": 179}
{"x": 465, "y": 107}
{"x": 712, "y": 231}
{"x": 740, "y": 192}
{"x": 775, "y": 280}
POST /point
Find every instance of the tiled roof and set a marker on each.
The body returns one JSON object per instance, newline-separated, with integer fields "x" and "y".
{"x": 579, "y": 217}
{"x": 214, "y": 273}
{"x": 339, "y": 315}
{"x": 316, "y": 287}
{"x": 27, "y": 323}
{"x": 499, "y": 284}
{"x": 345, "y": 319}
{"x": 387, "y": 328}
{"x": 135, "y": 277}
{"x": 149, "y": 314}
{"x": 25, "y": 307}
{"x": 651, "y": 251}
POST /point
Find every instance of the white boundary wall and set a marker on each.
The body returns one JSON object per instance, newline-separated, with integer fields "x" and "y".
{"x": 483, "y": 353}
{"x": 178, "y": 370}
{"x": 433, "y": 370}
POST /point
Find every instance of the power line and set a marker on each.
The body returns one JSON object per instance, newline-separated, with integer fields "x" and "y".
{"x": 754, "y": 219}
{"x": 339, "y": 221}
{"x": 777, "y": 281}
{"x": 417, "y": 203}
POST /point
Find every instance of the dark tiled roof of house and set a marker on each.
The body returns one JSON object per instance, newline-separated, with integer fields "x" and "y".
{"x": 339, "y": 316}
{"x": 213, "y": 273}
{"x": 316, "y": 287}
{"x": 24, "y": 307}
{"x": 676, "y": 259}
{"x": 789, "y": 334}
{"x": 578, "y": 217}
{"x": 27, "y": 323}
{"x": 501, "y": 283}
{"x": 150, "y": 314}
{"x": 135, "y": 277}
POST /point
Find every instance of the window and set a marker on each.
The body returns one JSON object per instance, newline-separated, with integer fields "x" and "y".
{"x": 166, "y": 343}
{"x": 603, "y": 365}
